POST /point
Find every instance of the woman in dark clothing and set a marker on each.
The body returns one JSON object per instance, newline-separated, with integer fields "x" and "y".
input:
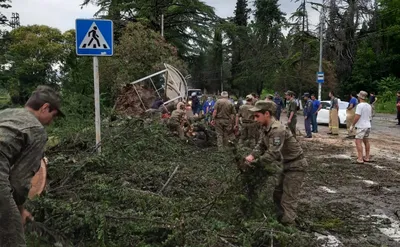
{"x": 195, "y": 104}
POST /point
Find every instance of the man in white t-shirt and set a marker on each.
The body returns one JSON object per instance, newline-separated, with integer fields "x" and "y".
{"x": 362, "y": 123}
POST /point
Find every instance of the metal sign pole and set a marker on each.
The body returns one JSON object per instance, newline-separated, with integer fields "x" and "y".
{"x": 95, "y": 38}
{"x": 97, "y": 102}
{"x": 321, "y": 40}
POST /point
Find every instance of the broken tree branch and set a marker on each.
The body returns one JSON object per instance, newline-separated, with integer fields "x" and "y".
{"x": 169, "y": 179}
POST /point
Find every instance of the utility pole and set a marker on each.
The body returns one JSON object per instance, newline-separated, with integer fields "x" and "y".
{"x": 222, "y": 81}
{"x": 321, "y": 41}
{"x": 162, "y": 25}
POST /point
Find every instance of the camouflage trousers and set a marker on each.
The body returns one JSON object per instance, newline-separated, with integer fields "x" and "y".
{"x": 225, "y": 133}
{"x": 287, "y": 190}
{"x": 175, "y": 127}
{"x": 248, "y": 134}
{"x": 11, "y": 229}
{"x": 292, "y": 126}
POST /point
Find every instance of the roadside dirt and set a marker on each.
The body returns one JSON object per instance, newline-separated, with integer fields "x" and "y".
{"x": 348, "y": 204}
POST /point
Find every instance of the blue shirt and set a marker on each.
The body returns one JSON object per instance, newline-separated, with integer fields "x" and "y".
{"x": 210, "y": 105}
{"x": 316, "y": 104}
{"x": 353, "y": 101}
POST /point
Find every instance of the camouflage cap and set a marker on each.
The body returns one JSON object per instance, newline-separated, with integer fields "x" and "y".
{"x": 264, "y": 106}
{"x": 249, "y": 97}
{"x": 291, "y": 93}
{"x": 50, "y": 96}
{"x": 362, "y": 95}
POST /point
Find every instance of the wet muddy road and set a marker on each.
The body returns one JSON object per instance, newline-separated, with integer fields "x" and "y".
{"x": 348, "y": 204}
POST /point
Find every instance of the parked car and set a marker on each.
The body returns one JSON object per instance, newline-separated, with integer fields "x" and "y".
{"x": 323, "y": 115}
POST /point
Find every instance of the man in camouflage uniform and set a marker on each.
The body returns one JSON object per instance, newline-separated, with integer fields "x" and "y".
{"x": 249, "y": 126}
{"x": 22, "y": 141}
{"x": 223, "y": 119}
{"x": 291, "y": 112}
{"x": 277, "y": 144}
{"x": 177, "y": 119}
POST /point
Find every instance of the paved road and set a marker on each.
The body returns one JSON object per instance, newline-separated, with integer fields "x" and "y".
{"x": 383, "y": 126}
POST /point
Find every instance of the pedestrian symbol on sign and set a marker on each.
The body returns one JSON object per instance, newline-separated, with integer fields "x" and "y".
{"x": 94, "y": 39}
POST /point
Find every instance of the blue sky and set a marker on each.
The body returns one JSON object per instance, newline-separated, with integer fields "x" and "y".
{"x": 62, "y": 14}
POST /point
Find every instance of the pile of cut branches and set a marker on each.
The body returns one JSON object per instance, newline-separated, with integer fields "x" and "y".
{"x": 129, "y": 103}
{"x": 148, "y": 188}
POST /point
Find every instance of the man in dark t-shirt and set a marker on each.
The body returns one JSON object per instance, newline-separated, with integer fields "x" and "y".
{"x": 372, "y": 101}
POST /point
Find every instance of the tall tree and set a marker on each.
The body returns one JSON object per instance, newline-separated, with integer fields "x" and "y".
{"x": 378, "y": 53}
{"x": 267, "y": 34}
{"x": 303, "y": 44}
{"x": 33, "y": 53}
{"x": 239, "y": 37}
{"x": 343, "y": 35}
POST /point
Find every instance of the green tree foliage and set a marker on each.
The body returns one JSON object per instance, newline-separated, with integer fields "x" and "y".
{"x": 207, "y": 68}
{"x": 186, "y": 22}
{"x": 379, "y": 54}
{"x": 32, "y": 56}
{"x": 239, "y": 38}
{"x": 261, "y": 59}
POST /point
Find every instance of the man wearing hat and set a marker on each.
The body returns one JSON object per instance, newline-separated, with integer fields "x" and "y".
{"x": 224, "y": 120}
{"x": 308, "y": 108}
{"x": 291, "y": 112}
{"x": 22, "y": 141}
{"x": 249, "y": 128}
{"x": 177, "y": 120}
{"x": 362, "y": 123}
{"x": 269, "y": 98}
{"x": 277, "y": 144}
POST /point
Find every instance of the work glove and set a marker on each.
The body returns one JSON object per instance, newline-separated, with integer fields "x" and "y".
{"x": 245, "y": 166}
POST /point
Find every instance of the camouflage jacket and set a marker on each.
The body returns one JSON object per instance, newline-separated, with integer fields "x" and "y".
{"x": 22, "y": 141}
{"x": 277, "y": 144}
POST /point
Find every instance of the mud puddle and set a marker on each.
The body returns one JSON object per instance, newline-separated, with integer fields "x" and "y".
{"x": 353, "y": 204}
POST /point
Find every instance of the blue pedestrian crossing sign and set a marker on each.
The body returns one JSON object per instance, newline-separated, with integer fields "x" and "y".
{"x": 320, "y": 77}
{"x": 94, "y": 37}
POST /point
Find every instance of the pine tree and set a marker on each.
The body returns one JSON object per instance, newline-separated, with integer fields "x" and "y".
{"x": 240, "y": 20}
{"x": 241, "y": 13}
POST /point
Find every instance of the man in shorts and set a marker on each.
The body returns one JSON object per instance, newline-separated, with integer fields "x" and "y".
{"x": 362, "y": 123}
